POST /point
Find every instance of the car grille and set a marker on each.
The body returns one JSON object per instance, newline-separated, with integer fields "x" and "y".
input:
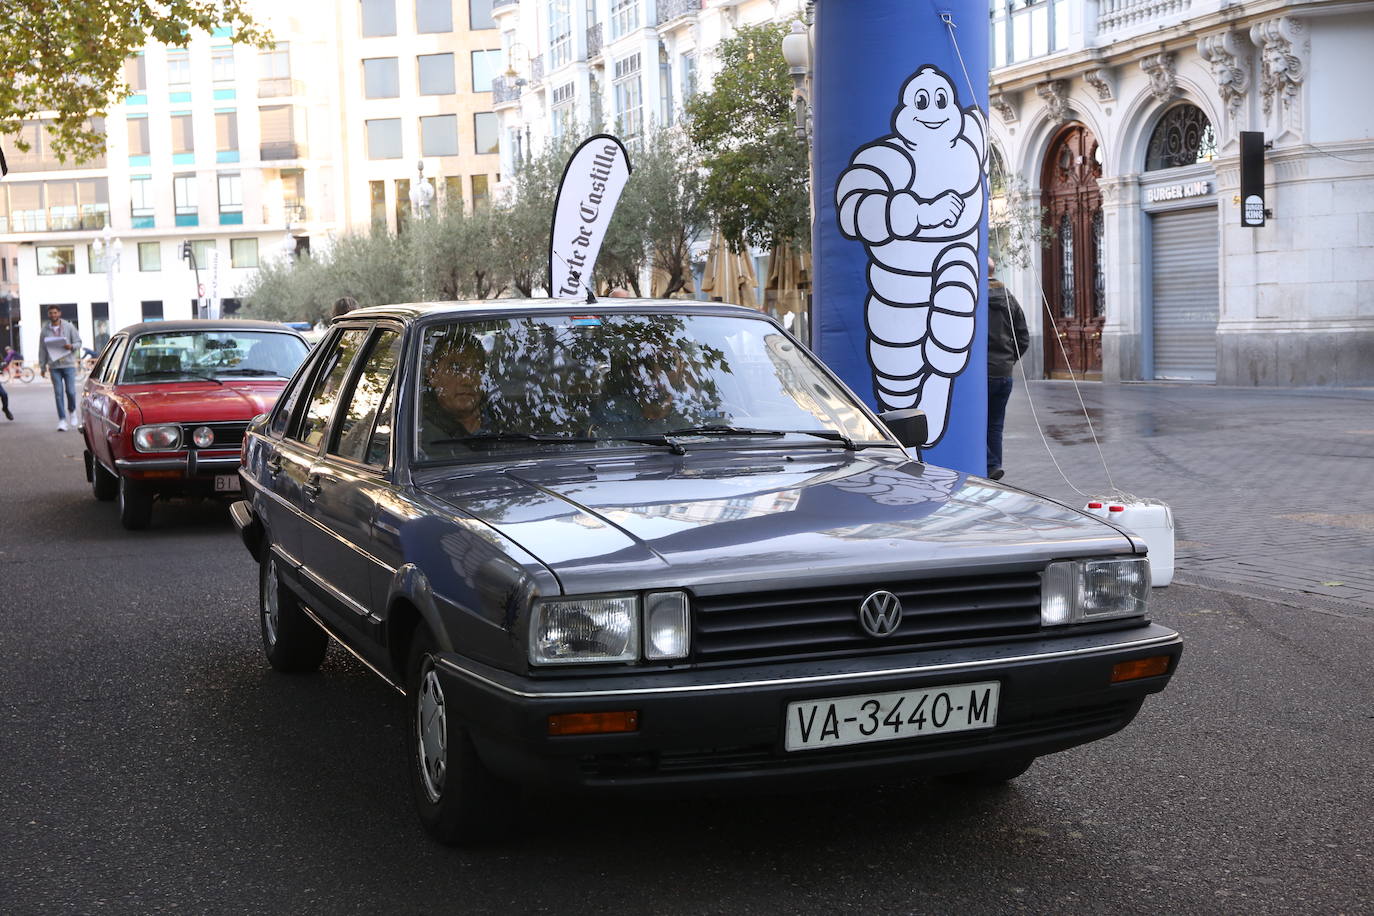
{"x": 227, "y": 435}
{"x": 790, "y": 623}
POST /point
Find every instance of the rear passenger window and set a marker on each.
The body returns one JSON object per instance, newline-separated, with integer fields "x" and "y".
{"x": 380, "y": 446}
{"x": 354, "y": 429}
{"x": 109, "y": 363}
{"x": 291, "y": 397}
{"x": 328, "y": 386}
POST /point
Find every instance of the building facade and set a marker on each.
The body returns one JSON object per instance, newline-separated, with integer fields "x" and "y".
{"x": 248, "y": 155}
{"x": 1116, "y": 173}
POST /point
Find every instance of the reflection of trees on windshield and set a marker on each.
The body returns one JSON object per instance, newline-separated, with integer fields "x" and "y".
{"x": 812, "y": 391}
{"x": 222, "y": 354}
{"x": 573, "y": 376}
{"x": 328, "y": 386}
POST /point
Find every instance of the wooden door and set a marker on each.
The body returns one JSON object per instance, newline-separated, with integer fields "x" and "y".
{"x": 1072, "y": 272}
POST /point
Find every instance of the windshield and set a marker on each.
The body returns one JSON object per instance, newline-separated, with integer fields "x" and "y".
{"x": 178, "y": 355}
{"x": 602, "y": 379}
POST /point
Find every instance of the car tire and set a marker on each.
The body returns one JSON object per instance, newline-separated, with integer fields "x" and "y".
{"x": 293, "y": 643}
{"x": 995, "y": 775}
{"x": 457, "y": 798}
{"x": 104, "y": 485}
{"x": 135, "y": 505}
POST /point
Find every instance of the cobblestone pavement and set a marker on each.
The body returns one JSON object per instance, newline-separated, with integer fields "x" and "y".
{"x": 1272, "y": 490}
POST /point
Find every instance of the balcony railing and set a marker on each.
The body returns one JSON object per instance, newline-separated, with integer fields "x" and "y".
{"x": 1116, "y": 15}
{"x": 296, "y": 214}
{"x": 537, "y": 69}
{"x": 594, "y": 41}
{"x": 496, "y": 3}
{"x": 503, "y": 92}
{"x": 669, "y": 10}
{"x": 282, "y": 149}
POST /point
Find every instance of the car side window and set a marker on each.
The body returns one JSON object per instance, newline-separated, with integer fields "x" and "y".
{"x": 354, "y": 429}
{"x": 380, "y": 446}
{"x": 286, "y": 404}
{"x": 108, "y": 368}
{"x": 328, "y": 386}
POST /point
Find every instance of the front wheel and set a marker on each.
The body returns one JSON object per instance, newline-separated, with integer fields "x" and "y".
{"x": 104, "y": 485}
{"x": 25, "y": 375}
{"x": 293, "y": 643}
{"x": 135, "y": 504}
{"x": 458, "y": 799}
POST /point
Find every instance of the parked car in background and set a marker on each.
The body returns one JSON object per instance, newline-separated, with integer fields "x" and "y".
{"x": 165, "y": 406}
{"x": 647, "y": 545}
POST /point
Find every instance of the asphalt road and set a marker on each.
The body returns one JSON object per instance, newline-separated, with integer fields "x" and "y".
{"x": 150, "y": 762}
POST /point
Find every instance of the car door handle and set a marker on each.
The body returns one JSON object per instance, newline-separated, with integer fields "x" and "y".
{"x": 311, "y": 488}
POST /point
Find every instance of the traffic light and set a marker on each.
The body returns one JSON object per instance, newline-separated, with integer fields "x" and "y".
{"x": 186, "y": 250}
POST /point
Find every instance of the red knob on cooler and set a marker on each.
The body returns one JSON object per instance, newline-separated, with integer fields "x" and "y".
{"x": 1116, "y": 508}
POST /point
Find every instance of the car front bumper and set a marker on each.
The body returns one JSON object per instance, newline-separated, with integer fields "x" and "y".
{"x": 724, "y": 727}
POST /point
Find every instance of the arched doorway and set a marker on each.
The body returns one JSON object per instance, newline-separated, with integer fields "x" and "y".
{"x": 1074, "y": 283}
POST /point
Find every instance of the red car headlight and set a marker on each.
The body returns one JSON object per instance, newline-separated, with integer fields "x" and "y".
{"x": 157, "y": 438}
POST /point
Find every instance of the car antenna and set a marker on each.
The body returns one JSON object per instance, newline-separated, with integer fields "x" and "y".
{"x": 591, "y": 296}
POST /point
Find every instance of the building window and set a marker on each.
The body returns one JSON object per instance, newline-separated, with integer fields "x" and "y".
{"x": 276, "y": 125}
{"x": 479, "y": 14}
{"x": 384, "y": 138}
{"x": 379, "y": 18}
{"x": 439, "y": 136}
{"x": 665, "y": 89}
{"x": 200, "y": 251}
{"x": 377, "y": 196}
{"x": 226, "y": 131}
{"x": 564, "y": 100}
{"x": 453, "y": 191}
{"x": 61, "y": 200}
{"x": 560, "y": 34}
{"x": 436, "y": 74}
{"x": 141, "y": 201}
{"x": 243, "y": 252}
{"x": 624, "y": 17}
{"x": 689, "y": 76}
{"x": 149, "y": 256}
{"x": 1184, "y": 136}
{"x": 222, "y": 64}
{"x": 486, "y": 65}
{"x": 152, "y": 310}
{"x": 183, "y": 134}
{"x": 138, "y": 136}
{"x": 276, "y": 63}
{"x": 402, "y": 203}
{"x": 230, "y": 200}
{"x": 480, "y": 195}
{"x": 484, "y": 131}
{"x": 628, "y": 96}
{"x": 56, "y": 259}
{"x": 97, "y": 260}
{"x": 381, "y": 78}
{"x": 184, "y": 195}
{"x": 136, "y": 74}
{"x": 1023, "y": 29}
{"x": 178, "y": 68}
{"x": 433, "y": 16}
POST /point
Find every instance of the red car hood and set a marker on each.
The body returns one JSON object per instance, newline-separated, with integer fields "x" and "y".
{"x": 204, "y": 402}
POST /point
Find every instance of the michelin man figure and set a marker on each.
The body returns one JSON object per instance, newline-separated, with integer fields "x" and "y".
{"x": 915, "y": 199}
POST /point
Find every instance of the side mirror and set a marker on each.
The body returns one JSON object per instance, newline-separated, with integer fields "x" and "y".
{"x": 908, "y": 425}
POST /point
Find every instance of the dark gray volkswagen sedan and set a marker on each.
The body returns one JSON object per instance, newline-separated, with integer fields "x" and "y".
{"x": 648, "y": 546}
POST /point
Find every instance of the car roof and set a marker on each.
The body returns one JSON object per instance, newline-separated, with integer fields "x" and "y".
{"x": 411, "y": 311}
{"x": 206, "y": 324}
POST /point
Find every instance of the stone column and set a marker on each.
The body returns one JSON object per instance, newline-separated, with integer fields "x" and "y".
{"x": 1124, "y": 273}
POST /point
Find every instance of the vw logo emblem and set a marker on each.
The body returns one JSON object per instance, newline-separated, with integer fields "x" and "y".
{"x": 881, "y": 614}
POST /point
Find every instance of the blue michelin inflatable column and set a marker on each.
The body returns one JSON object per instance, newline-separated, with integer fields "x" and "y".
{"x": 901, "y": 237}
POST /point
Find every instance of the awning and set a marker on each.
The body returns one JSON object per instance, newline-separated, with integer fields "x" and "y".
{"x": 729, "y": 277}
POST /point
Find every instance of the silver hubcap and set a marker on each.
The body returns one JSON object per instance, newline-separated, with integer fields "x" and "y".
{"x": 270, "y": 610}
{"x": 431, "y": 732}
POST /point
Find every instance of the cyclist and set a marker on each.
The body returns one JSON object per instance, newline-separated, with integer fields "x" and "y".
{"x": 10, "y": 356}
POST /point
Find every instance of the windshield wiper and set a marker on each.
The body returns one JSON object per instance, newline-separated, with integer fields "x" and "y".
{"x": 180, "y": 372}
{"x": 510, "y": 437}
{"x": 272, "y": 372}
{"x": 832, "y": 435}
{"x": 672, "y": 445}
{"x": 723, "y": 430}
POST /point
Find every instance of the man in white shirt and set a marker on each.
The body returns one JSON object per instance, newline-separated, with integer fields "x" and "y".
{"x": 58, "y": 347}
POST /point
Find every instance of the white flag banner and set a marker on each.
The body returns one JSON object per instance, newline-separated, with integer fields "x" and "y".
{"x": 212, "y": 311}
{"x": 592, "y": 181}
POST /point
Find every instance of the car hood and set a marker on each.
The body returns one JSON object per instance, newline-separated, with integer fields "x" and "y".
{"x": 203, "y": 401}
{"x": 766, "y": 518}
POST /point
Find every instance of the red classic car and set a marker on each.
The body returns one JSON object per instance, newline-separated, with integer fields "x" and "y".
{"x": 164, "y": 409}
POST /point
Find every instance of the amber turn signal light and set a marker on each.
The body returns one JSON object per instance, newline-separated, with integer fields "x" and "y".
{"x": 1141, "y": 667}
{"x": 594, "y": 723}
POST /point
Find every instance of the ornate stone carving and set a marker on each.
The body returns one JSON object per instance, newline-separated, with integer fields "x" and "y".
{"x": 1163, "y": 80}
{"x": 1103, "y": 80}
{"x": 1003, "y": 105}
{"x": 1285, "y": 49}
{"x": 1229, "y": 56}
{"x": 1056, "y": 96}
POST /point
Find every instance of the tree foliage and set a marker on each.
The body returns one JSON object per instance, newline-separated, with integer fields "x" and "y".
{"x": 64, "y": 59}
{"x": 756, "y": 165}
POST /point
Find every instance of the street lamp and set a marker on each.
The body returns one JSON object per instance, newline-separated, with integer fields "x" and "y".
{"x": 421, "y": 193}
{"x": 110, "y": 249}
{"x": 796, "y": 50}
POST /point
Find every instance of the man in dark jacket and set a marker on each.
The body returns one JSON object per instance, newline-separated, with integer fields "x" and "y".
{"x": 1007, "y": 341}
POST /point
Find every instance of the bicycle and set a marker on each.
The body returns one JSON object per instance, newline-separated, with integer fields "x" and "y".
{"x": 16, "y": 371}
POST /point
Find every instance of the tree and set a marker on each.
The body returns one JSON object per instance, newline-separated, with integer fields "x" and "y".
{"x": 456, "y": 255}
{"x": 65, "y": 58}
{"x": 756, "y": 184}
{"x": 525, "y": 216}
{"x": 668, "y": 188}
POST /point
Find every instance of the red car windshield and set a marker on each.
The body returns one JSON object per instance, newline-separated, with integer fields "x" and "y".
{"x": 179, "y": 355}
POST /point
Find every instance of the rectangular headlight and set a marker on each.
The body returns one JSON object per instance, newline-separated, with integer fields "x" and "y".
{"x": 604, "y": 629}
{"x": 667, "y": 628}
{"x": 1084, "y": 590}
{"x": 162, "y": 437}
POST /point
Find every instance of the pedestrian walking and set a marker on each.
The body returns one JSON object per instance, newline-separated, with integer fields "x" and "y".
{"x": 57, "y": 351}
{"x": 1007, "y": 341}
{"x": 5, "y": 402}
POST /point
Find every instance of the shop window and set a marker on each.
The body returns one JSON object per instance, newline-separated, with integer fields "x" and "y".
{"x": 377, "y": 198}
{"x": 1184, "y": 136}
